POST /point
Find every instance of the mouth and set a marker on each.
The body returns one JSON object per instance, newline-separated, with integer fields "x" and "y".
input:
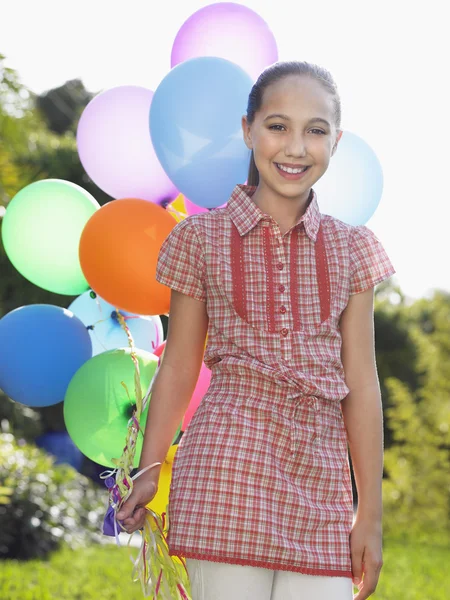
{"x": 292, "y": 171}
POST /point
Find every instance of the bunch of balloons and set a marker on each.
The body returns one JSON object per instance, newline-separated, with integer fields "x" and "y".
{"x": 161, "y": 155}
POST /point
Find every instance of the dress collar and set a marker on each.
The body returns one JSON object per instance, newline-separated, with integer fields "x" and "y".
{"x": 246, "y": 215}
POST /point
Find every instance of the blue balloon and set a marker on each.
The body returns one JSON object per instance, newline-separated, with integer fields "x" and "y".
{"x": 41, "y": 348}
{"x": 195, "y": 126}
{"x": 105, "y": 330}
{"x": 60, "y": 444}
{"x": 351, "y": 188}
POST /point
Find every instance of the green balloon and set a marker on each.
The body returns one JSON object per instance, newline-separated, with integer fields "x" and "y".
{"x": 41, "y": 233}
{"x": 97, "y": 407}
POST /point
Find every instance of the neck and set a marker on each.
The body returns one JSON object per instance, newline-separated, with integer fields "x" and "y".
{"x": 284, "y": 210}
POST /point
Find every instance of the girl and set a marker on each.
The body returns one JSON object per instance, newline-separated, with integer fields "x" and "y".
{"x": 261, "y": 498}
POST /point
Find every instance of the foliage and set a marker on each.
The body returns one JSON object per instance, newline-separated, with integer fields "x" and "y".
{"x": 61, "y": 107}
{"x": 23, "y": 421}
{"x": 50, "y": 504}
{"x": 37, "y": 135}
{"x": 30, "y": 152}
{"x": 417, "y": 487}
{"x": 396, "y": 352}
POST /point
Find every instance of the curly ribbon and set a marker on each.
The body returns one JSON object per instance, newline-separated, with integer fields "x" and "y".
{"x": 163, "y": 577}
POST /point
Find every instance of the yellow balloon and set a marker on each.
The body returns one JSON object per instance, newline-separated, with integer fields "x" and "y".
{"x": 177, "y": 208}
{"x": 161, "y": 500}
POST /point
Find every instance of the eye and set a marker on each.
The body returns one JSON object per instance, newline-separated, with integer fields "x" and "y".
{"x": 277, "y": 127}
{"x": 318, "y": 131}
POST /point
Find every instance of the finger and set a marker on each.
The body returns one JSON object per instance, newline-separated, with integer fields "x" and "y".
{"x": 357, "y": 565}
{"x": 136, "y": 521}
{"x": 369, "y": 584}
{"x": 128, "y": 508}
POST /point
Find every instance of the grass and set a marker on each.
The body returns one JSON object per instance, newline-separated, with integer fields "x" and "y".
{"x": 103, "y": 572}
{"x": 418, "y": 572}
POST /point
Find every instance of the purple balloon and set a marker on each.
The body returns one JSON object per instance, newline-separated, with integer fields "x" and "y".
{"x": 115, "y": 147}
{"x": 227, "y": 30}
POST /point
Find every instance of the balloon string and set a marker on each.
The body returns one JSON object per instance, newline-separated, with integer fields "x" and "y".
{"x": 176, "y": 212}
{"x": 162, "y": 576}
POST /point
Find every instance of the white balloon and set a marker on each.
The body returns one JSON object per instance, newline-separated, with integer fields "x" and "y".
{"x": 352, "y": 187}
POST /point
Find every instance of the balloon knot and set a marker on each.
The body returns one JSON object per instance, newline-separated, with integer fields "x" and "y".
{"x": 115, "y": 316}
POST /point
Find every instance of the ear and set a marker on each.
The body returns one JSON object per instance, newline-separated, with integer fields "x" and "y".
{"x": 338, "y": 137}
{"x": 247, "y": 133}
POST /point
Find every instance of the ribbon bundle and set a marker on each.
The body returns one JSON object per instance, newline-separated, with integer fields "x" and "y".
{"x": 162, "y": 576}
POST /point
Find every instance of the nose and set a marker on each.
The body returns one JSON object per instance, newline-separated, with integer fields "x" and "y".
{"x": 295, "y": 145}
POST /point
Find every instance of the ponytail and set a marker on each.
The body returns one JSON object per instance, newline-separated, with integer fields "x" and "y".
{"x": 253, "y": 173}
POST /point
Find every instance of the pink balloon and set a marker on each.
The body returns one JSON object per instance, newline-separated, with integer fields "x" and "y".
{"x": 201, "y": 388}
{"x": 193, "y": 209}
{"x": 227, "y": 30}
{"x": 115, "y": 147}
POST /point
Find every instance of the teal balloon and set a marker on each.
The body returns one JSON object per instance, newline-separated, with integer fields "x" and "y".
{"x": 195, "y": 126}
{"x": 99, "y": 403}
{"x": 352, "y": 187}
{"x": 41, "y": 232}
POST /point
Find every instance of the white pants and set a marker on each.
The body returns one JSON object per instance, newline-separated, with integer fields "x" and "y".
{"x": 220, "y": 581}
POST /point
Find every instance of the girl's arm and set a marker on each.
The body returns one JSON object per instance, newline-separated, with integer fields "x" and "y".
{"x": 362, "y": 412}
{"x": 172, "y": 390}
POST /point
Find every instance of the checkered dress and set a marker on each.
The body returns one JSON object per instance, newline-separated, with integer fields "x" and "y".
{"x": 261, "y": 476}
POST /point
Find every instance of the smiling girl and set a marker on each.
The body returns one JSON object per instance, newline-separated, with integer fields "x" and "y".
{"x": 261, "y": 500}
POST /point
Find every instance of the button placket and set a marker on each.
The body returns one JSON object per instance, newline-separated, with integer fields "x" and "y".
{"x": 282, "y": 303}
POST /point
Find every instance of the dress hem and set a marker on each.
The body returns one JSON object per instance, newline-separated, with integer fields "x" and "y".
{"x": 274, "y": 566}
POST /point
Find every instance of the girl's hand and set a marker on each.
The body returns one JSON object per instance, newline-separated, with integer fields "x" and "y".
{"x": 366, "y": 555}
{"x": 132, "y": 512}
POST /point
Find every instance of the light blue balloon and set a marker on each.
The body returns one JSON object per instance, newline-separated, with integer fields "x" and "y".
{"x": 195, "y": 126}
{"x": 351, "y": 188}
{"x": 41, "y": 348}
{"x": 105, "y": 330}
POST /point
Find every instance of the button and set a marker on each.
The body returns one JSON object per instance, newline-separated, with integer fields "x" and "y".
{"x": 282, "y": 309}
{"x": 280, "y": 266}
{"x": 281, "y": 288}
{"x": 284, "y": 332}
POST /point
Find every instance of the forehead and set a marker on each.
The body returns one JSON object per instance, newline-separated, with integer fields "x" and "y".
{"x": 298, "y": 96}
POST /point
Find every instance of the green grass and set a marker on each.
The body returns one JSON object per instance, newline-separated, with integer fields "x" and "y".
{"x": 103, "y": 572}
{"x": 95, "y": 573}
{"x": 419, "y": 572}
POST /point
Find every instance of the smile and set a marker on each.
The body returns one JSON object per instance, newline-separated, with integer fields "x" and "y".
{"x": 291, "y": 172}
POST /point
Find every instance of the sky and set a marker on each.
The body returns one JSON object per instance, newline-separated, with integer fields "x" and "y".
{"x": 389, "y": 59}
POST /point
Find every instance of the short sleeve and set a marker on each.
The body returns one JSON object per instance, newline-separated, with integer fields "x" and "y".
{"x": 181, "y": 263}
{"x": 369, "y": 263}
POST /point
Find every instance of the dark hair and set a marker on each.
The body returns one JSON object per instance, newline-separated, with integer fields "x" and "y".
{"x": 273, "y": 74}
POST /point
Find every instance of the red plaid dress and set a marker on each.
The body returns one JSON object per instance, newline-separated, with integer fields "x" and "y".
{"x": 261, "y": 476}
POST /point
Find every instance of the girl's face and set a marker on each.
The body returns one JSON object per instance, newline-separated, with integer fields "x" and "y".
{"x": 293, "y": 136}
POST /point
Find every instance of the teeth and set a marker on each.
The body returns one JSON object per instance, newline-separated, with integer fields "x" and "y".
{"x": 290, "y": 170}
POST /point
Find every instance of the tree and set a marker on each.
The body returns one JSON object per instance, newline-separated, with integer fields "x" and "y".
{"x": 61, "y": 107}
{"x": 417, "y": 486}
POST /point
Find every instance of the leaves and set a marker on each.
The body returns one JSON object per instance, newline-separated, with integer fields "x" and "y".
{"x": 48, "y": 504}
{"x": 417, "y": 488}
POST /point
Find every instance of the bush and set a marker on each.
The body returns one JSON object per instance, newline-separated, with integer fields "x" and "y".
{"x": 23, "y": 421}
{"x": 48, "y": 505}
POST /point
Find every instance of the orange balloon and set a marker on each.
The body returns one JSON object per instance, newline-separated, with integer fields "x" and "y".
{"x": 118, "y": 252}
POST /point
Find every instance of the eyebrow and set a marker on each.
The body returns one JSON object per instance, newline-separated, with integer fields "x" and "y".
{"x": 286, "y": 118}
